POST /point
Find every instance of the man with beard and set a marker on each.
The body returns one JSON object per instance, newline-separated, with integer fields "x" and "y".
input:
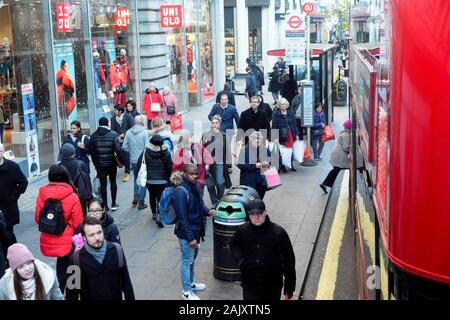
{"x": 103, "y": 267}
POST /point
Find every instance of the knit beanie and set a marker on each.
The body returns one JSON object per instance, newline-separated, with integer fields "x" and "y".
{"x": 156, "y": 140}
{"x": 67, "y": 150}
{"x": 348, "y": 124}
{"x": 18, "y": 254}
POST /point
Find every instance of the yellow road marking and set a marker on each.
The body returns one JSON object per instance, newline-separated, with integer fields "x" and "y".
{"x": 327, "y": 282}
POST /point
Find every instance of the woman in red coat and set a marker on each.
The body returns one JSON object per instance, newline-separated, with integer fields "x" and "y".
{"x": 151, "y": 96}
{"x": 188, "y": 151}
{"x": 61, "y": 188}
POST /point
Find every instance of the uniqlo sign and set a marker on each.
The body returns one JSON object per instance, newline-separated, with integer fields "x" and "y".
{"x": 63, "y": 16}
{"x": 122, "y": 18}
{"x": 171, "y": 16}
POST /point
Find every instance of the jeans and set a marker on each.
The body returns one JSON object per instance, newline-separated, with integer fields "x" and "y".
{"x": 269, "y": 293}
{"x": 188, "y": 255}
{"x": 314, "y": 141}
{"x": 102, "y": 174}
{"x": 126, "y": 162}
{"x": 139, "y": 192}
{"x": 275, "y": 97}
{"x": 155, "y": 191}
{"x": 216, "y": 188}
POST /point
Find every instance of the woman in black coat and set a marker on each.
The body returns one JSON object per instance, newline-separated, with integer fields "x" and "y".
{"x": 159, "y": 168}
{"x": 80, "y": 141}
{"x": 274, "y": 84}
{"x": 284, "y": 121}
{"x": 289, "y": 88}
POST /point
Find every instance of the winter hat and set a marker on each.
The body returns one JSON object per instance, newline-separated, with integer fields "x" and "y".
{"x": 18, "y": 254}
{"x": 156, "y": 140}
{"x": 348, "y": 124}
{"x": 103, "y": 121}
{"x": 123, "y": 52}
{"x": 67, "y": 150}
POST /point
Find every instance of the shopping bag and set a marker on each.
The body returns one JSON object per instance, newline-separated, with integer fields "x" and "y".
{"x": 176, "y": 122}
{"x": 298, "y": 151}
{"x": 141, "y": 179}
{"x": 272, "y": 178}
{"x": 307, "y": 154}
{"x": 286, "y": 156}
{"x": 328, "y": 133}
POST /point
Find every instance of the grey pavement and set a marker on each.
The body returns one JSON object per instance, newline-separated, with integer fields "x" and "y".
{"x": 153, "y": 254}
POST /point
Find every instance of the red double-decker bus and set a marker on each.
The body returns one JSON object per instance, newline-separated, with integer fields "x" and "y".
{"x": 400, "y": 198}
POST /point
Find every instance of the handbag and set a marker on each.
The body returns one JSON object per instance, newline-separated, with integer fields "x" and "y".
{"x": 328, "y": 133}
{"x": 154, "y": 107}
{"x": 272, "y": 178}
{"x": 170, "y": 109}
{"x": 141, "y": 179}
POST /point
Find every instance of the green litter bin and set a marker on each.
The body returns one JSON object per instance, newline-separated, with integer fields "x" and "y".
{"x": 231, "y": 213}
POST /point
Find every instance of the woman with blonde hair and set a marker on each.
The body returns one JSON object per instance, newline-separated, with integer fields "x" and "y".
{"x": 159, "y": 127}
{"x": 187, "y": 151}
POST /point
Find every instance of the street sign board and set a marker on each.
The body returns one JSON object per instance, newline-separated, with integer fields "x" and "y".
{"x": 171, "y": 16}
{"x": 307, "y": 106}
{"x": 308, "y": 8}
{"x": 279, "y": 16}
{"x": 295, "y": 37}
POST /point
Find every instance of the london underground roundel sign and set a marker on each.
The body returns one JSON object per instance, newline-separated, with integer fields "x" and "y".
{"x": 295, "y": 22}
{"x": 308, "y": 8}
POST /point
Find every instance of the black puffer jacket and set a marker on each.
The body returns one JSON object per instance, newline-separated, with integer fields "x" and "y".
{"x": 264, "y": 255}
{"x": 158, "y": 161}
{"x": 104, "y": 143}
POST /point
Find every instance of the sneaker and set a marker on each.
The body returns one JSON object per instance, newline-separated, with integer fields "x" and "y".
{"x": 323, "y": 187}
{"x": 195, "y": 286}
{"x": 189, "y": 295}
{"x": 319, "y": 158}
{"x": 114, "y": 207}
{"x": 142, "y": 206}
{"x": 134, "y": 202}
{"x": 154, "y": 216}
{"x": 126, "y": 177}
{"x": 159, "y": 223}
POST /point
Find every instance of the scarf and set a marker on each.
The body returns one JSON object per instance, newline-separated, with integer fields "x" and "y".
{"x": 99, "y": 254}
{"x": 119, "y": 119}
{"x": 29, "y": 288}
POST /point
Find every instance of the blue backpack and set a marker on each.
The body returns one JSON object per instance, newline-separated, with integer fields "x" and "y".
{"x": 166, "y": 210}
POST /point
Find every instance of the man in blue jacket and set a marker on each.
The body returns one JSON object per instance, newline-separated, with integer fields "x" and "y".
{"x": 227, "y": 112}
{"x": 250, "y": 83}
{"x": 191, "y": 212}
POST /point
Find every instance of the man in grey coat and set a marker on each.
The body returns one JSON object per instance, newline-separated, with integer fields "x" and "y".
{"x": 134, "y": 143}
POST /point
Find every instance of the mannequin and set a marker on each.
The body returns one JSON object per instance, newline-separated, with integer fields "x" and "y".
{"x": 123, "y": 60}
{"x": 117, "y": 83}
{"x": 99, "y": 74}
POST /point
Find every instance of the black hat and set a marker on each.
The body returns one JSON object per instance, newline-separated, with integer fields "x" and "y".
{"x": 103, "y": 121}
{"x": 67, "y": 150}
{"x": 256, "y": 206}
{"x": 156, "y": 140}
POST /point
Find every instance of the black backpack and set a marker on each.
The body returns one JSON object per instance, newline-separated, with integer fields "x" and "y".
{"x": 83, "y": 183}
{"x": 51, "y": 217}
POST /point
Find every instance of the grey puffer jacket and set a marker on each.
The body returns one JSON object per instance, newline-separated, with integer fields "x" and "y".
{"x": 135, "y": 141}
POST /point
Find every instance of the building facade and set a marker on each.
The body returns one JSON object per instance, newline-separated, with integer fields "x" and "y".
{"x": 62, "y": 61}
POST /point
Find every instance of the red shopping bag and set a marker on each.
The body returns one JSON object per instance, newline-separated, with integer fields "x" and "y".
{"x": 328, "y": 133}
{"x": 307, "y": 154}
{"x": 176, "y": 122}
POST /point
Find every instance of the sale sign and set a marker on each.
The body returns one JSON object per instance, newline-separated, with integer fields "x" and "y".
{"x": 122, "y": 17}
{"x": 171, "y": 16}
{"x": 63, "y": 17}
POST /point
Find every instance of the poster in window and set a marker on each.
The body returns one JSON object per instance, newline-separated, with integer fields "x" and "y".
{"x": 65, "y": 79}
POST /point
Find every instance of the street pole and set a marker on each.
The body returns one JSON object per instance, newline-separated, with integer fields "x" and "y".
{"x": 308, "y": 72}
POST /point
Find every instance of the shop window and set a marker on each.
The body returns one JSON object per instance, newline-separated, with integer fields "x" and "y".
{"x": 24, "y": 93}
{"x": 114, "y": 54}
{"x": 229, "y": 41}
